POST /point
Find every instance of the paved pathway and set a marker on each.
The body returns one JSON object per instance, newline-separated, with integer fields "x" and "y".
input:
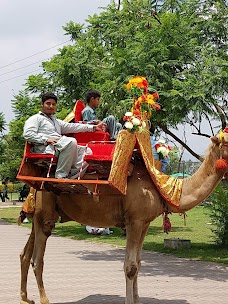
{"x": 79, "y": 272}
{"x": 9, "y": 204}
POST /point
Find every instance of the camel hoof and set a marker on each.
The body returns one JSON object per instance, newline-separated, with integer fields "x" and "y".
{"x": 45, "y": 302}
{"x": 27, "y": 302}
{"x": 134, "y": 302}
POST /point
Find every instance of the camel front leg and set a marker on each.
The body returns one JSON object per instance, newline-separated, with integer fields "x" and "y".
{"x": 138, "y": 259}
{"x": 25, "y": 258}
{"x": 135, "y": 235}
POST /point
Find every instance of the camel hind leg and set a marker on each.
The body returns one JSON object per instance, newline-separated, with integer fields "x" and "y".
{"x": 44, "y": 222}
{"x": 135, "y": 236}
{"x": 25, "y": 258}
{"x": 41, "y": 235}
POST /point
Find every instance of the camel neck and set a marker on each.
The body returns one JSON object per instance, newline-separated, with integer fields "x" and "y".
{"x": 198, "y": 187}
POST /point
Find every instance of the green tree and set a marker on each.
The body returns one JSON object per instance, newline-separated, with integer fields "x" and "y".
{"x": 2, "y": 122}
{"x": 219, "y": 214}
{"x": 180, "y": 46}
{"x": 12, "y": 146}
{"x": 2, "y": 143}
{"x": 181, "y": 49}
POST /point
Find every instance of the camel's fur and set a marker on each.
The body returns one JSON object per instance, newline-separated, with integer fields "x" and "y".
{"x": 135, "y": 211}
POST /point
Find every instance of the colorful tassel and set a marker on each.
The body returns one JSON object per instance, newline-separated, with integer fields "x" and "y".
{"x": 167, "y": 227}
{"x": 221, "y": 164}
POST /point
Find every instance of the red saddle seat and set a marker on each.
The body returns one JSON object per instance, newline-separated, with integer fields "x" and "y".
{"x": 101, "y": 159}
{"x": 98, "y": 141}
{"x": 101, "y": 151}
{"x": 31, "y": 155}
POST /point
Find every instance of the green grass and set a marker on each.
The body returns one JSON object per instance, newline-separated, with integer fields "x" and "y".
{"x": 198, "y": 230}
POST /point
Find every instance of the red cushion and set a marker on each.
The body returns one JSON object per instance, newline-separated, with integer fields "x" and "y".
{"x": 101, "y": 151}
{"x": 79, "y": 106}
{"x": 85, "y": 137}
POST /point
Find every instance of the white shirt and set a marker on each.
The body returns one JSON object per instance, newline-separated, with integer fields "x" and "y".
{"x": 39, "y": 127}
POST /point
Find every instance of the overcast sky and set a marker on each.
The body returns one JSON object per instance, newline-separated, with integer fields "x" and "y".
{"x": 30, "y": 27}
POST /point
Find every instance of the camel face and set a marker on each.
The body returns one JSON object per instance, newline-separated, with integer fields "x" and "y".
{"x": 225, "y": 148}
{"x": 222, "y": 146}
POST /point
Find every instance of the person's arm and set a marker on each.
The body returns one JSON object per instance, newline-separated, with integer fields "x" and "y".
{"x": 31, "y": 131}
{"x": 78, "y": 127}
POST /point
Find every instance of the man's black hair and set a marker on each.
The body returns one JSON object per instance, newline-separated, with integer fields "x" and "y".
{"x": 92, "y": 93}
{"x": 48, "y": 95}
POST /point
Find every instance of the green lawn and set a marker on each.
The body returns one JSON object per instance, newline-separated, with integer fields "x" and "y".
{"x": 198, "y": 230}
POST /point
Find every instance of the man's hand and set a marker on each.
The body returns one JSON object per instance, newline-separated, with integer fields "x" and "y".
{"x": 101, "y": 127}
{"x": 52, "y": 140}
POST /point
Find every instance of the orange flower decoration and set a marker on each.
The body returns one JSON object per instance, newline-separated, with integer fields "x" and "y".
{"x": 137, "y": 82}
{"x": 144, "y": 103}
{"x": 156, "y": 96}
{"x": 137, "y": 113}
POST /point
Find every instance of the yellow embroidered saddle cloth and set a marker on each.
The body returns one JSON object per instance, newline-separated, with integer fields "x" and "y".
{"x": 169, "y": 187}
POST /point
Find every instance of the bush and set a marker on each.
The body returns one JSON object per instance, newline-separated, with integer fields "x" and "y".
{"x": 17, "y": 187}
{"x": 12, "y": 188}
{"x": 219, "y": 214}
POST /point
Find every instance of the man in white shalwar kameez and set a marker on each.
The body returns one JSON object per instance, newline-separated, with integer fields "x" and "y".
{"x": 46, "y": 132}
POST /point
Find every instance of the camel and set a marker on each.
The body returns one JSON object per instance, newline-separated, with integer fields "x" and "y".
{"x": 135, "y": 211}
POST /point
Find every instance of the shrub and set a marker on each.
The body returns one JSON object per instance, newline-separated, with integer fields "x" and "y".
{"x": 219, "y": 214}
{"x": 14, "y": 188}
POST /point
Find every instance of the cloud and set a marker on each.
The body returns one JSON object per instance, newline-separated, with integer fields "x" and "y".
{"x": 26, "y": 18}
{"x": 31, "y": 27}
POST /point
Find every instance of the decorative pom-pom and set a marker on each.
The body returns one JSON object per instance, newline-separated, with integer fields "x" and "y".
{"x": 221, "y": 164}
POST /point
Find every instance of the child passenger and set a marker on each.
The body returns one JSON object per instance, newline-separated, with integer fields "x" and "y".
{"x": 89, "y": 114}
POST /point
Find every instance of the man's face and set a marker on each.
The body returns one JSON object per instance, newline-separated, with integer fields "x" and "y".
{"x": 49, "y": 107}
{"x": 95, "y": 102}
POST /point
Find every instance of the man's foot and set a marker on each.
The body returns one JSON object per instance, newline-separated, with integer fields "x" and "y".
{"x": 91, "y": 171}
{"x": 78, "y": 173}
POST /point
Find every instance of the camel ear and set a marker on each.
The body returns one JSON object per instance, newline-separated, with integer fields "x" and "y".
{"x": 215, "y": 140}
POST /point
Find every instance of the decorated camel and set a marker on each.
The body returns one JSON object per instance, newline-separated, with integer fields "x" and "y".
{"x": 134, "y": 211}
{"x": 127, "y": 202}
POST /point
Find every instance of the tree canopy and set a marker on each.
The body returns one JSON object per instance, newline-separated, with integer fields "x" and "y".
{"x": 178, "y": 45}
{"x": 2, "y": 122}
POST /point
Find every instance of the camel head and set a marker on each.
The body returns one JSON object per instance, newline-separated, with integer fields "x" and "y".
{"x": 221, "y": 143}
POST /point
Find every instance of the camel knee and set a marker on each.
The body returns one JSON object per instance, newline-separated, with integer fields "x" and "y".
{"x": 22, "y": 255}
{"x": 37, "y": 266}
{"x": 48, "y": 226}
{"x": 131, "y": 270}
{"x": 25, "y": 256}
{"x": 24, "y": 260}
